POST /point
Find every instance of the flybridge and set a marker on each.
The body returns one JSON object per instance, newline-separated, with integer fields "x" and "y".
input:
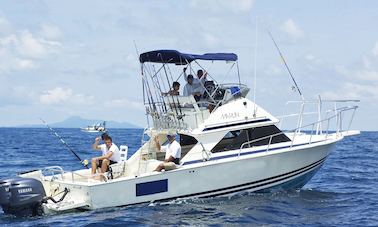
{"x": 178, "y": 58}
{"x": 161, "y": 70}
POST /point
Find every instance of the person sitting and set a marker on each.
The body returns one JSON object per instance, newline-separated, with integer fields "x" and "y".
{"x": 175, "y": 89}
{"x": 110, "y": 153}
{"x": 172, "y": 155}
{"x": 189, "y": 89}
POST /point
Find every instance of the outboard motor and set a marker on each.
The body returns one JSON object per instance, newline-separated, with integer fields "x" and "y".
{"x": 22, "y": 196}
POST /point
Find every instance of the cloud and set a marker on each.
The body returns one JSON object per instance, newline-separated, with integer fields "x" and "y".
{"x": 56, "y": 95}
{"x": 60, "y": 95}
{"x": 125, "y": 103}
{"x": 26, "y": 64}
{"x": 273, "y": 70}
{"x": 375, "y": 49}
{"x": 210, "y": 39}
{"x": 222, "y": 5}
{"x": 353, "y": 91}
{"x": 50, "y": 32}
{"x": 21, "y": 49}
{"x": 5, "y": 26}
{"x": 32, "y": 47}
{"x": 15, "y": 95}
{"x": 292, "y": 29}
{"x": 361, "y": 80}
{"x": 369, "y": 68}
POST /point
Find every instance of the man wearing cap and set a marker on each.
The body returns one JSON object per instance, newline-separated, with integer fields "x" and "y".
{"x": 172, "y": 152}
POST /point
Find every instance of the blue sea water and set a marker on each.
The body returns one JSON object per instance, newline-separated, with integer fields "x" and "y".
{"x": 343, "y": 192}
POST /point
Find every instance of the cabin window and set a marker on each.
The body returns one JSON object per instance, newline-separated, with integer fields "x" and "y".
{"x": 187, "y": 143}
{"x": 187, "y": 140}
{"x": 234, "y": 139}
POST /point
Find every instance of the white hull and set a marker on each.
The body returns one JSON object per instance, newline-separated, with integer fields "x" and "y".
{"x": 281, "y": 168}
{"x": 91, "y": 130}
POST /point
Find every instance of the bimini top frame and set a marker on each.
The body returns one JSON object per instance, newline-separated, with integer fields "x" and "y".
{"x": 165, "y": 110}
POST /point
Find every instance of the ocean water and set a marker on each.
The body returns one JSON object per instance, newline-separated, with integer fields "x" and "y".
{"x": 344, "y": 191}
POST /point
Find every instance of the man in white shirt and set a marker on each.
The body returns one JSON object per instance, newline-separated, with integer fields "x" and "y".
{"x": 172, "y": 153}
{"x": 190, "y": 89}
{"x": 197, "y": 83}
{"x": 202, "y": 79}
{"x": 110, "y": 153}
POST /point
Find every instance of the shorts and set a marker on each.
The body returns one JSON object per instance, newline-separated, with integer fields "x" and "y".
{"x": 100, "y": 162}
{"x": 169, "y": 166}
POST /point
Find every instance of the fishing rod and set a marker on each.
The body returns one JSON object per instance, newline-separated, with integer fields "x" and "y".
{"x": 150, "y": 98}
{"x": 287, "y": 67}
{"x": 169, "y": 85}
{"x": 84, "y": 162}
{"x": 164, "y": 107}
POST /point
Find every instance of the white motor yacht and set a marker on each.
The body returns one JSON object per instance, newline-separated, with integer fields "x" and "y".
{"x": 229, "y": 144}
{"x": 100, "y": 127}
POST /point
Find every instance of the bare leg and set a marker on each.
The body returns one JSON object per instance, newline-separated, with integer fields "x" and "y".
{"x": 160, "y": 167}
{"x": 94, "y": 166}
{"x": 104, "y": 166}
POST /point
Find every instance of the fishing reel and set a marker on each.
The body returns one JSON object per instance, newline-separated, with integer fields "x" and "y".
{"x": 85, "y": 162}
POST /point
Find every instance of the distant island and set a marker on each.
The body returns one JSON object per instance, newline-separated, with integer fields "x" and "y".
{"x": 79, "y": 122}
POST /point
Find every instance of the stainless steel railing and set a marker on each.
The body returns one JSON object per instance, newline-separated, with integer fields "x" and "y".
{"x": 338, "y": 116}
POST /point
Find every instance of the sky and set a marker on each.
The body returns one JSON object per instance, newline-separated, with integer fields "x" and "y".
{"x": 77, "y": 58}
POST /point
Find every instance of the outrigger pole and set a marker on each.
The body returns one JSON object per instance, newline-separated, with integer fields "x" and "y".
{"x": 287, "y": 67}
{"x": 84, "y": 162}
{"x": 150, "y": 98}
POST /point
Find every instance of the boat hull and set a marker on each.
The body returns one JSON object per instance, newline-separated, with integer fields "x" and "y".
{"x": 281, "y": 170}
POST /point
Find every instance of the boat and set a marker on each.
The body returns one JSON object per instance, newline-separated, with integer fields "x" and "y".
{"x": 99, "y": 127}
{"x": 229, "y": 144}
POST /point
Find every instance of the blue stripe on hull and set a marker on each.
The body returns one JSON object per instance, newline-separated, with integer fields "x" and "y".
{"x": 294, "y": 184}
{"x": 152, "y": 187}
{"x": 271, "y": 180}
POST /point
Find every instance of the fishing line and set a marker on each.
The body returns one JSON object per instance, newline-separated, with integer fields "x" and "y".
{"x": 84, "y": 162}
{"x": 287, "y": 67}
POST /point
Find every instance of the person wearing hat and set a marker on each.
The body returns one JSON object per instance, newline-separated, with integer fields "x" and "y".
{"x": 172, "y": 152}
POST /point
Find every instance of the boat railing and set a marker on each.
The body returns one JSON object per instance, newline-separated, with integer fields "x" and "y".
{"x": 174, "y": 111}
{"x": 165, "y": 121}
{"x": 313, "y": 129}
{"x": 53, "y": 171}
{"x": 318, "y": 105}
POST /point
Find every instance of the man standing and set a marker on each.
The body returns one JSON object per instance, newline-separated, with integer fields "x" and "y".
{"x": 198, "y": 83}
{"x": 172, "y": 152}
{"x": 110, "y": 153}
{"x": 189, "y": 88}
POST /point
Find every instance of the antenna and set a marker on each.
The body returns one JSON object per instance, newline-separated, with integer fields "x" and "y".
{"x": 287, "y": 67}
{"x": 255, "y": 74}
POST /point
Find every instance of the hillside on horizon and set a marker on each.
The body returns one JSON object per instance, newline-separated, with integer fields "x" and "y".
{"x": 79, "y": 122}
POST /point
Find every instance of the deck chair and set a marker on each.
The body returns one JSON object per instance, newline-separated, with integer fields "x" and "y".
{"x": 118, "y": 169}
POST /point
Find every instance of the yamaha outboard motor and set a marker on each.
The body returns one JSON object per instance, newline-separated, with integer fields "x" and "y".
{"x": 22, "y": 196}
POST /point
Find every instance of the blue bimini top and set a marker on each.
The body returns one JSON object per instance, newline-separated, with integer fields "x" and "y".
{"x": 178, "y": 58}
